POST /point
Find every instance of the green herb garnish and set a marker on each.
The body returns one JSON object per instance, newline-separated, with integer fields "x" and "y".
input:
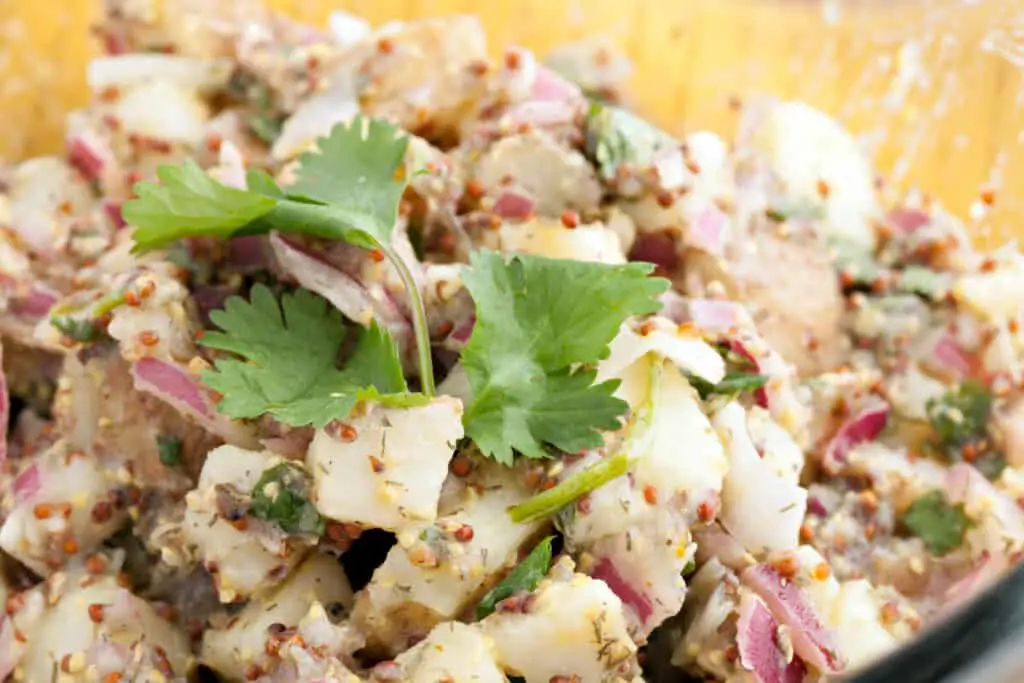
{"x": 940, "y": 525}
{"x": 281, "y": 496}
{"x": 569, "y": 490}
{"x": 523, "y": 578}
{"x": 960, "y": 421}
{"x": 541, "y": 326}
{"x": 731, "y": 386}
{"x": 614, "y": 137}
{"x": 82, "y": 331}
{"x": 289, "y": 361}
{"x": 169, "y": 448}
{"x": 347, "y": 190}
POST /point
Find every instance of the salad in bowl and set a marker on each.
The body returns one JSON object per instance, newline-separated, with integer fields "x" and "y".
{"x": 349, "y": 353}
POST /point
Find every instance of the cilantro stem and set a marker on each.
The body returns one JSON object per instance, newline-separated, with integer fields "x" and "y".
{"x": 419, "y": 321}
{"x": 581, "y": 483}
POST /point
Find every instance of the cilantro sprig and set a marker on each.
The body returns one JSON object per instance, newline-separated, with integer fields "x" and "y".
{"x": 288, "y": 366}
{"x": 541, "y": 326}
{"x": 940, "y": 525}
{"x": 347, "y": 190}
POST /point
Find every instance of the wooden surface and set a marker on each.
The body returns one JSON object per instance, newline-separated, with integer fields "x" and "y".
{"x": 936, "y": 87}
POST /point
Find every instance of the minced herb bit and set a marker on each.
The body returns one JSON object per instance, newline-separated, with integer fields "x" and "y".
{"x": 170, "y": 450}
{"x": 940, "y": 525}
{"x": 281, "y": 496}
{"x": 960, "y": 421}
{"x": 522, "y": 579}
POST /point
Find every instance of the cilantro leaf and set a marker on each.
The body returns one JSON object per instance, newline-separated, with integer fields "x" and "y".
{"x": 281, "y": 496}
{"x": 290, "y": 353}
{"x": 541, "y": 324}
{"x": 614, "y": 137}
{"x": 357, "y": 170}
{"x": 349, "y": 190}
{"x": 523, "y": 578}
{"x": 189, "y": 203}
{"x": 940, "y": 525}
{"x": 571, "y": 489}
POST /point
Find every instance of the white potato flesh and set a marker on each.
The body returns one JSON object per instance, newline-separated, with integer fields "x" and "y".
{"x": 556, "y": 177}
{"x": 678, "y": 458}
{"x": 994, "y": 295}
{"x": 78, "y": 481}
{"x": 232, "y": 650}
{"x": 712, "y": 600}
{"x": 240, "y": 562}
{"x": 805, "y": 147}
{"x": 425, "y": 77}
{"x": 163, "y": 111}
{"x": 762, "y": 510}
{"x": 406, "y": 599}
{"x": 164, "y": 313}
{"x": 775, "y": 444}
{"x": 390, "y": 474}
{"x": 453, "y": 652}
{"x": 574, "y": 626}
{"x": 684, "y": 347}
{"x": 129, "y": 622}
{"x": 548, "y": 237}
{"x": 644, "y": 567}
{"x": 852, "y": 609}
{"x": 38, "y": 190}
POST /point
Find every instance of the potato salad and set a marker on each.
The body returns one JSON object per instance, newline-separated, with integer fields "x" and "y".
{"x": 354, "y": 354}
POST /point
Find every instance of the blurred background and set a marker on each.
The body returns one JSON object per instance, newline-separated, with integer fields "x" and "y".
{"x": 935, "y": 88}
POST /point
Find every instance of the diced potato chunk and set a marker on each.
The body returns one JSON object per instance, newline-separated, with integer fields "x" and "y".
{"x": 240, "y": 644}
{"x": 389, "y": 474}
{"x": 129, "y": 638}
{"x": 36, "y": 531}
{"x": 453, "y": 652}
{"x": 556, "y": 177}
{"x": 431, "y": 575}
{"x": 240, "y": 560}
{"x": 571, "y": 625}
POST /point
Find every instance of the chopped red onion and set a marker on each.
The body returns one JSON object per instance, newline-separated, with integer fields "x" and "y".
{"x": 907, "y": 221}
{"x": 27, "y": 483}
{"x": 35, "y": 305}
{"x": 89, "y": 154}
{"x": 708, "y": 230}
{"x": 864, "y": 426}
{"x": 548, "y": 86}
{"x": 757, "y": 642}
{"x": 815, "y": 643}
{"x": 951, "y": 356}
{"x": 658, "y": 248}
{"x": 605, "y": 570}
{"x": 515, "y": 205}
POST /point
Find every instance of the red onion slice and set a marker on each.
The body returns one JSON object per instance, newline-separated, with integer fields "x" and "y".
{"x": 514, "y": 205}
{"x": 549, "y": 86}
{"x": 814, "y": 642}
{"x": 864, "y": 426}
{"x": 27, "y": 483}
{"x": 907, "y": 221}
{"x": 605, "y": 570}
{"x": 35, "y": 305}
{"x": 756, "y": 639}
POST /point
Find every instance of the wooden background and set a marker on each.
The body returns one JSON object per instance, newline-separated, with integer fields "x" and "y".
{"x": 935, "y": 87}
